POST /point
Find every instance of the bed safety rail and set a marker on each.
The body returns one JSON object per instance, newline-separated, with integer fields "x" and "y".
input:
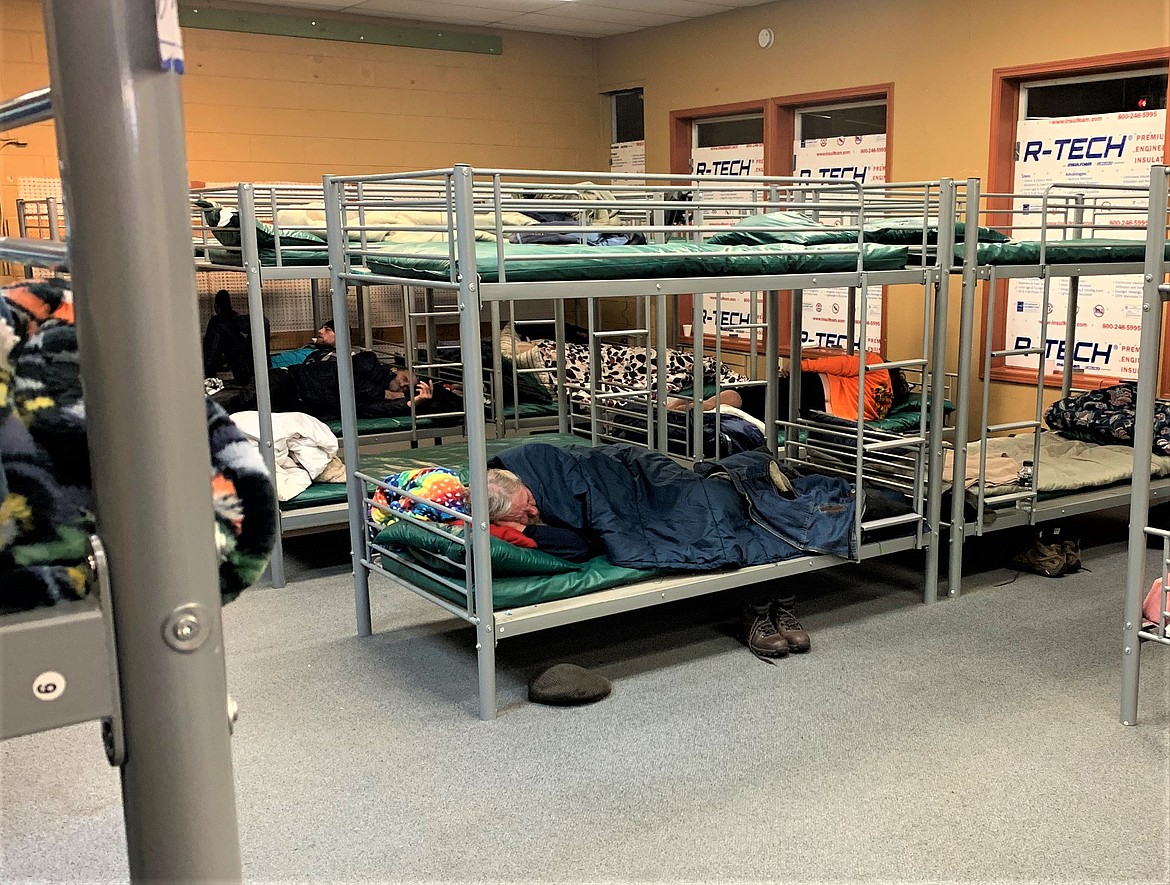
{"x": 1155, "y": 293}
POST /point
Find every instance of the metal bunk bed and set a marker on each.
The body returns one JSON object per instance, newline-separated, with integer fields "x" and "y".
{"x": 1060, "y": 245}
{"x": 292, "y": 256}
{"x": 147, "y": 658}
{"x": 855, "y": 452}
{"x": 289, "y": 259}
{"x": 1156, "y": 292}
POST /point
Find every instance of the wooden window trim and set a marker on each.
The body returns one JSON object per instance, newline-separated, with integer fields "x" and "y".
{"x": 1005, "y": 117}
{"x": 779, "y": 132}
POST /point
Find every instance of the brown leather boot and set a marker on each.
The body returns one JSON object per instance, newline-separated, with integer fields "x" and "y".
{"x": 791, "y": 629}
{"x": 760, "y": 633}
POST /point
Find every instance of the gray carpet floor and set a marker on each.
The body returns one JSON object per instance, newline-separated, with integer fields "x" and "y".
{"x": 976, "y": 740}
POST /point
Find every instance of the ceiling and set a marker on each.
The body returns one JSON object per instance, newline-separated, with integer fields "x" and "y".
{"x": 578, "y": 18}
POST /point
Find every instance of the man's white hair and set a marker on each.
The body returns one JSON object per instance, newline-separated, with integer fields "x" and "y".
{"x": 502, "y": 486}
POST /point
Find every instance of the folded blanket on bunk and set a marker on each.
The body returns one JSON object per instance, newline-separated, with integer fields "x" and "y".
{"x": 1107, "y": 416}
{"x": 304, "y": 448}
{"x": 46, "y": 500}
{"x": 1065, "y": 464}
{"x": 650, "y": 512}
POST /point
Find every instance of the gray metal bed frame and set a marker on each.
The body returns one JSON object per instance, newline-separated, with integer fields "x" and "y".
{"x": 1063, "y": 215}
{"x": 1155, "y": 293}
{"x": 149, "y": 657}
{"x": 461, "y": 192}
{"x": 264, "y": 203}
{"x": 245, "y": 198}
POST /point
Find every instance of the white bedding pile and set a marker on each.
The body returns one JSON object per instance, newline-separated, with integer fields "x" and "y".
{"x": 305, "y": 449}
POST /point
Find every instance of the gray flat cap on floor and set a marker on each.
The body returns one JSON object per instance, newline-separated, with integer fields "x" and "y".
{"x": 566, "y": 685}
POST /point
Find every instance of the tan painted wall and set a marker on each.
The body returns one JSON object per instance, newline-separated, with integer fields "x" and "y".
{"x": 279, "y": 108}
{"x": 938, "y": 55}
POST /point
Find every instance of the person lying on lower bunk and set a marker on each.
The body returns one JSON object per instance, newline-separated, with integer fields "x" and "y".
{"x": 828, "y": 383}
{"x": 381, "y": 390}
{"x": 646, "y": 511}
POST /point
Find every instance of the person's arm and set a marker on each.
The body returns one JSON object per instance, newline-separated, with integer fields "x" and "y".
{"x": 565, "y": 543}
{"x": 845, "y": 365}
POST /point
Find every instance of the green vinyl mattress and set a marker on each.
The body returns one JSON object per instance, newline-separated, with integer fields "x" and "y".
{"x": 532, "y": 263}
{"x": 1096, "y": 250}
{"x": 289, "y": 257}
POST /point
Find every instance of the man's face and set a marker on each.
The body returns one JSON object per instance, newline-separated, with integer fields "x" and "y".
{"x": 401, "y": 382}
{"x": 523, "y": 509}
{"x": 326, "y": 337}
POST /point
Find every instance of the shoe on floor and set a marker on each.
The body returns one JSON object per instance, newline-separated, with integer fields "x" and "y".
{"x": 760, "y": 632}
{"x": 1072, "y": 556}
{"x": 1042, "y": 558}
{"x": 791, "y": 629}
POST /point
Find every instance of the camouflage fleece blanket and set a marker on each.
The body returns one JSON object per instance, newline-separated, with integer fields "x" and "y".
{"x": 46, "y": 503}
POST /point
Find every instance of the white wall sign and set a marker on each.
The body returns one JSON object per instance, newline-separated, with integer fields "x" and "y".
{"x": 627, "y": 156}
{"x": 1100, "y": 149}
{"x": 860, "y": 158}
{"x": 731, "y": 308}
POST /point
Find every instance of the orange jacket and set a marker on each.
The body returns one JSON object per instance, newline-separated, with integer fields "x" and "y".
{"x": 841, "y": 373}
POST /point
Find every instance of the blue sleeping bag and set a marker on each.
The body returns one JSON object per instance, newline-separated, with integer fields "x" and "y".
{"x": 650, "y": 512}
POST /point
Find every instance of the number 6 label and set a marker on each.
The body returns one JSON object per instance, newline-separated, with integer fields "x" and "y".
{"x": 49, "y": 686}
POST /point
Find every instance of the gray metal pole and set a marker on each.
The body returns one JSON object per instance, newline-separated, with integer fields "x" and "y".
{"x": 338, "y": 264}
{"x": 937, "y": 386}
{"x": 478, "y": 538}
{"x": 120, "y": 139}
{"x": 962, "y": 412}
{"x": 1074, "y": 290}
{"x": 250, "y": 254}
{"x": 1143, "y": 439}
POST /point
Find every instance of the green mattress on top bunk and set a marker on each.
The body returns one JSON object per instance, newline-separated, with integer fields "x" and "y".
{"x": 289, "y": 257}
{"x": 1090, "y": 250}
{"x": 531, "y": 263}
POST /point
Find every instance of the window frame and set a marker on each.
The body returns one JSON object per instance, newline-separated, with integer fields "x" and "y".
{"x": 1007, "y": 97}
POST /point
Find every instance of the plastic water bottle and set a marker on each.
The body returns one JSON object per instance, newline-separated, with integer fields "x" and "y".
{"x": 1024, "y": 477}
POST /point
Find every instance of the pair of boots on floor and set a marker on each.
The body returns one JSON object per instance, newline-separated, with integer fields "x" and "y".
{"x": 771, "y": 630}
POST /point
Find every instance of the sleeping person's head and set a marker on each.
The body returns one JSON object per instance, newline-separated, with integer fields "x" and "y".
{"x": 509, "y": 500}
{"x": 900, "y": 387}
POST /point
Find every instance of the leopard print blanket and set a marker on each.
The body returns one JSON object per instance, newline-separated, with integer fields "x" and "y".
{"x": 625, "y": 368}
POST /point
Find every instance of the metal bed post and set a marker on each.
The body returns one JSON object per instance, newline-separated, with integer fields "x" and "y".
{"x": 478, "y": 537}
{"x": 962, "y": 410}
{"x": 315, "y": 306}
{"x": 945, "y": 250}
{"x": 1154, "y": 295}
{"x": 771, "y": 368}
{"x": 120, "y": 134}
{"x": 250, "y": 256}
{"x": 1074, "y": 289}
{"x": 355, "y": 491}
